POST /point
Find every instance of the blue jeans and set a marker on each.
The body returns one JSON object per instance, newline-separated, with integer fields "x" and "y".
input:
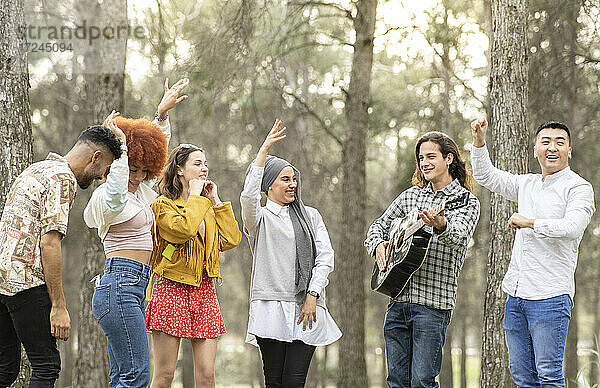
{"x": 25, "y": 319}
{"x": 414, "y": 338}
{"x": 536, "y": 335}
{"x": 118, "y": 305}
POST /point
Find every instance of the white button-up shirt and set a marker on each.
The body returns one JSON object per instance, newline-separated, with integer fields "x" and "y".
{"x": 544, "y": 258}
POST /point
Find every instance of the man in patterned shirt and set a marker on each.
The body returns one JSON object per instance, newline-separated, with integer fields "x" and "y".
{"x": 34, "y": 220}
{"x": 416, "y": 320}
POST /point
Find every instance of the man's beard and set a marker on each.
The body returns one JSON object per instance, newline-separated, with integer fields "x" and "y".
{"x": 86, "y": 181}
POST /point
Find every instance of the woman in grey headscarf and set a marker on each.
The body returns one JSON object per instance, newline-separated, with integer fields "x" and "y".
{"x": 292, "y": 258}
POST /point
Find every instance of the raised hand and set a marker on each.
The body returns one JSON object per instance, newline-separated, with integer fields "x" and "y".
{"x": 273, "y": 137}
{"x": 110, "y": 123}
{"x": 478, "y": 129}
{"x": 171, "y": 96}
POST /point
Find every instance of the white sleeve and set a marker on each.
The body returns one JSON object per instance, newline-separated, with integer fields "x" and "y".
{"x": 250, "y": 200}
{"x": 492, "y": 178}
{"x": 115, "y": 195}
{"x": 324, "y": 261}
{"x": 580, "y": 207}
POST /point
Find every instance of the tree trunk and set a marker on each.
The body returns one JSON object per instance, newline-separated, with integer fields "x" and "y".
{"x": 594, "y": 358}
{"x": 352, "y": 371}
{"x": 446, "y": 378}
{"x": 323, "y": 377}
{"x": 104, "y": 68}
{"x": 571, "y": 364}
{"x": 569, "y": 45}
{"x": 16, "y": 143}
{"x": 508, "y": 101}
{"x": 463, "y": 351}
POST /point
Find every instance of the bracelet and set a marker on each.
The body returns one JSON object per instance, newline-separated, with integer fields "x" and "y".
{"x": 157, "y": 117}
{"x": 220, "y": 203}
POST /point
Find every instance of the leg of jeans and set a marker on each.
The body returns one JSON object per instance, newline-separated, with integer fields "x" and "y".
{"x": 113, "y": 372}
{"x": 428, "y": 335}
{"x": 297, "y": 361}
{"x": 273, "y": 356}
{"x": 125, "y": 327}
{"x": 521, "y": 358}
{"x": 548, "y": 325}
{"x": 398, "y": 344}
{"x": 30, "y": 312}
{"x": 10, "y": 348}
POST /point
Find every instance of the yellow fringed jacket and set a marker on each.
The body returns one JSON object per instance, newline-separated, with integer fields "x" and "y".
{"x": 178, "y": 223}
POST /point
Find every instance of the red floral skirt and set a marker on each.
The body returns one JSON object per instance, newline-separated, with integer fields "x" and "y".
{"x": 185, "y": 311}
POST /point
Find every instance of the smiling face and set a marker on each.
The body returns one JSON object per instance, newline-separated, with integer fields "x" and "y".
{"x": 552, "y": 150}
{"x": 136, "y": 176}
{"x": 283, "y": 190}
{"x": 195, "y": 167}
{"x": 433, "y": 165}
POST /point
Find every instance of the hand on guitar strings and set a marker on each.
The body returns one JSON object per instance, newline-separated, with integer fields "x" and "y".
{"x": 431, "y": 219}
{"x": 381, "y": 255}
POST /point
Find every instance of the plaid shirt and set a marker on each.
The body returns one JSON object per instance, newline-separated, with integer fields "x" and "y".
{"x": 435, "y": 283}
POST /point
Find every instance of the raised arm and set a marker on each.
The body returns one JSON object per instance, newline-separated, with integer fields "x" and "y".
{"x": 115, "y": 195}
{"x": 170, "y": 99}
{"x": 250, "y": 196}
{"x": 484, "y": 172}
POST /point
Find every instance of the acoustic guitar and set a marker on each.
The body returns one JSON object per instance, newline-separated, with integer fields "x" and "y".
{"x": 407, "y": 248}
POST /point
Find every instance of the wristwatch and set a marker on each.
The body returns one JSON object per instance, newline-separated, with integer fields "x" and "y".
{"x": 314, "y": 293}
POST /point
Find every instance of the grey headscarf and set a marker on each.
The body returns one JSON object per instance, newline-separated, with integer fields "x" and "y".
{"x": 303, "y": 229}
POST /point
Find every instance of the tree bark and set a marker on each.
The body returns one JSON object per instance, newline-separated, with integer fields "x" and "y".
{"x": 463, "y": 351}
{"x": 352, "y": 371}
{"x": 508, "y": 101}
{"x": 446, "y": 378}
{"x": 16, "y": 143}
{"x": 104, "y": 68}
{"x": 571, "y": 362}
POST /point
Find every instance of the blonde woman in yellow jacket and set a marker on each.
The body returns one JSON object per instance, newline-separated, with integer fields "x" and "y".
{"x": 193, "y": 226}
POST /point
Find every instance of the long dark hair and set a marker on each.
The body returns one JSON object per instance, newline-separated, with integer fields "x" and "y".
{"x": 458, "y": 168}
{"x": 170, "y": 186}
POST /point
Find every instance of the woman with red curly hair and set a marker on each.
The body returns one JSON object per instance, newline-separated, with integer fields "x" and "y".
{"x": 120, "y": 209}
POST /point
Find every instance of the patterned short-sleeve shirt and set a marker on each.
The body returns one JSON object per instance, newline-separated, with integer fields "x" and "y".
{"x": 38, "y": 202}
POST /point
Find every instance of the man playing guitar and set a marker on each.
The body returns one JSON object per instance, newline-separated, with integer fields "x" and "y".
{"x": 416, "y": 320}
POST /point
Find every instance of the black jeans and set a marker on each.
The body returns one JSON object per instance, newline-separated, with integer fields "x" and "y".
{"x": 25, "y": 319}
{"x": 285, "y": 364}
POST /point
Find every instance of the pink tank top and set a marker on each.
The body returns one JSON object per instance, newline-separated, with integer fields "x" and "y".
{"x": 135, "y": 233}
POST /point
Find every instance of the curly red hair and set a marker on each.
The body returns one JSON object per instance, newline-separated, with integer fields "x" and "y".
{"x": 146, "y": 144}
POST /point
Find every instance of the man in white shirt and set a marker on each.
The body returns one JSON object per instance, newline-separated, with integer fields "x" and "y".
{"x": 554, "y": 208}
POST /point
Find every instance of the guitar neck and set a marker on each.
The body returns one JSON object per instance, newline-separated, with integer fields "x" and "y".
{"x": 414, "y": 227}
